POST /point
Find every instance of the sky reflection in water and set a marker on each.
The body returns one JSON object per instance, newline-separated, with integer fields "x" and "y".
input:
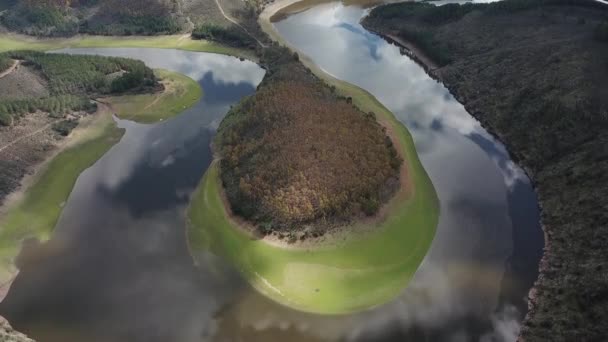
{"x": 130, "y": 278}
{"x": 488, "y": 244}
{"x": 122, "y": 271}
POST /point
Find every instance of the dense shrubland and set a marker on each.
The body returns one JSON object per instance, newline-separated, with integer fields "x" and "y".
{"x": 64, "y": 127}
{"x": 81, "y": 74}
{"x": 418, "y": 22}
{"x": 73, "y": 80}
{"x": 533, "y": 72}
{"x": 133, "y": 17}
{"x": 45, "y": 18}
{"x": 106, "y": 17}
{"x": 233, "y": 36}
{"x": 295, "y": 153}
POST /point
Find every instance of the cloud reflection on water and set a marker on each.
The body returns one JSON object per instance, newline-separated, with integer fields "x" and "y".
{"x": 459, "y": 286}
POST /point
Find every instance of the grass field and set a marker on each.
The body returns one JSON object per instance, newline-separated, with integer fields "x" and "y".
{"x": 37, "y": 212}
{"x": 361, "y": 272}
{"x": 181, "y": 92}
{"x": 180, "y": 42}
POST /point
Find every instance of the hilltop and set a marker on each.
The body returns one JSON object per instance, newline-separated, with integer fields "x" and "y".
{"x": 296, "y": 154}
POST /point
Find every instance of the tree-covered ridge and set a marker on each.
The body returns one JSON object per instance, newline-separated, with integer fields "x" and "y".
{"x": 5, "y": 62}
{"x": 72, "y": 80}
{"x": 82, "y": 74}
{"x": 295, "y": 153}
{"x": 233, "y": 36}
{"x": 140, "y": 17}
{"x": 417, "y": 21}
{"x": 106, "y": 17}
{"x": 535, "y": 76}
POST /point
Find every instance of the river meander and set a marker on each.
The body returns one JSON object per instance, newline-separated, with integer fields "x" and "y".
{"x": 122, "y": 271}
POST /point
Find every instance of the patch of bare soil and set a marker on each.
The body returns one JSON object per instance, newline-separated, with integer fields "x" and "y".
{"x": 18, "y": 156}
{"x": 23, "y": 82}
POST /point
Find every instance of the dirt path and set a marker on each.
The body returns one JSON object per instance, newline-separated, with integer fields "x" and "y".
{"x": 237, "y": 24}
{"x": 11, "y": 69}
{"x": 38, "y": 131}
{"x": 169, "y": 88}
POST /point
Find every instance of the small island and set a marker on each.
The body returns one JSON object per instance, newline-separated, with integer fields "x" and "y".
{"x": 322, "y": 205}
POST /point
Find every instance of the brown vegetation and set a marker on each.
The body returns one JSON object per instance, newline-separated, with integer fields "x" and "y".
{"x": 296, "y": 154}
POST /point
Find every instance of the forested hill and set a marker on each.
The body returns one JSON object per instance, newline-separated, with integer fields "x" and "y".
{"x": 105, "y": 17}
{"x": 70, "y": 81}
{"x": 534, "y": 73}
{"x": 311, "y": 161}
{"x": 421, "y": 23}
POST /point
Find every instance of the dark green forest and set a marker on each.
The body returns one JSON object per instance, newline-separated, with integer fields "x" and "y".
{"x": 104, "y": 17}
{"x": 232, "y": 36}
{"x": 417, "y": 21}
{"x": 533, "y": 73}
{"x": 45, "y": 18}
{"x": 73, "y": 80}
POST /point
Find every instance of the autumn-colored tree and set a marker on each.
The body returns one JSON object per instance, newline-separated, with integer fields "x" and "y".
{"x": 295, "y": 154}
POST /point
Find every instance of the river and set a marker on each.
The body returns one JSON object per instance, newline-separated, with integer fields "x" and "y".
{"x": 121, "y": 271}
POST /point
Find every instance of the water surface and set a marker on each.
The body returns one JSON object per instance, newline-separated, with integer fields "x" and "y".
{"x": 120, "y": 269}
{"x": 485, "y": 255}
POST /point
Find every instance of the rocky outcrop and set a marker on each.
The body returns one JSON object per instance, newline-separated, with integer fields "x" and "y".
{"x": 8, "y": 334}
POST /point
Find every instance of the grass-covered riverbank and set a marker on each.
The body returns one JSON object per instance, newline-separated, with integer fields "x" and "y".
{"x": 180, "y": 92}
{"x": 34, "y": 212}
{"x": 339, "y": 277}
{"x": 179, "y": 42}
{"x": 355, "y": 272}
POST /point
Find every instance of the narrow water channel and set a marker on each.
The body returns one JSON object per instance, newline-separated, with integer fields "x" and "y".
{"x": 119, "y": 269}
